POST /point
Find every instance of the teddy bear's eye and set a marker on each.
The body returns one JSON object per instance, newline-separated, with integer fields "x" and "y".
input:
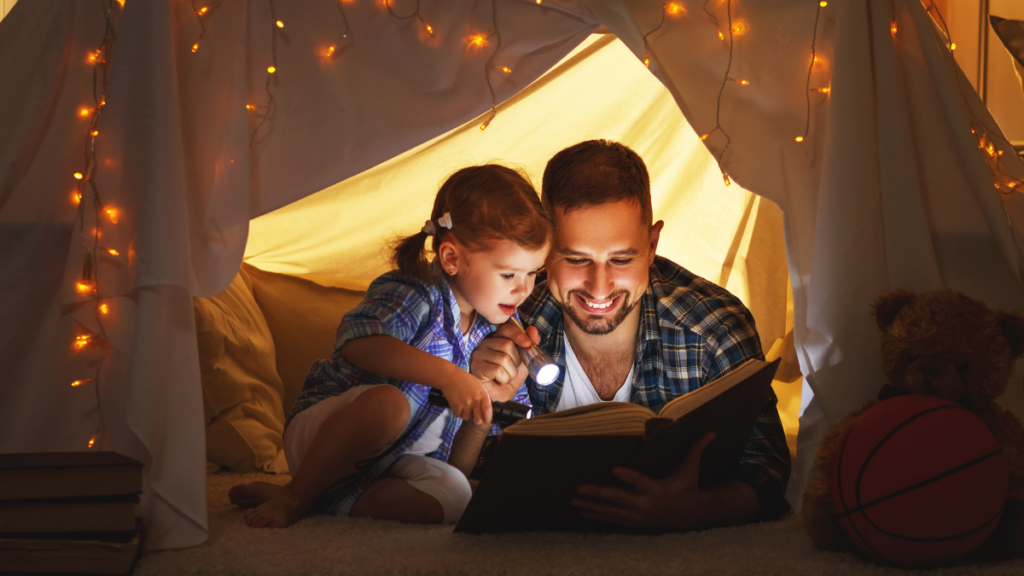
{"x": 962, "y": 367}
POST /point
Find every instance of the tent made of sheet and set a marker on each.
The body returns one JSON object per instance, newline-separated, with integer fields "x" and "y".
{"x": 201, "y": 157}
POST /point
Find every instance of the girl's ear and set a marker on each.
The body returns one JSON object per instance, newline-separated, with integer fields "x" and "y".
{"x": 448, "y": 257}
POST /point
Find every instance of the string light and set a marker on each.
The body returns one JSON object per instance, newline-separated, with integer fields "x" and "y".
{"x": 893, "y": 28}
{"x": 416, "y": 15}
{"x": 330, "y": 50}
{"x": 675, "y": 9}
{"x": 725, "y": 178}
{"x": 104, "y": 308}
{"x": 647, "y": 52}
{"x": 112, "y": 214}
{"x": 725, "y": 80}
{"x": 79, "y": 176}
{"x": 84, "y": 112}
{"x": 202, "y": 26}
{"x": 77, "y": 383}
{"x": 490, "y": 62}
{"x": 82, "y": 341}
{"x": 270, "y": 106}
{"x": 810, "y": 69}
{"x": 280, "y": 24}
{"x": 92, "y": 440}
{"x": 740, "y": 81}
{"x": 113, "y": 252}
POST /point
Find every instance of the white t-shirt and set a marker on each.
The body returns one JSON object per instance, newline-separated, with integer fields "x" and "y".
{"x": 577, "y": 389}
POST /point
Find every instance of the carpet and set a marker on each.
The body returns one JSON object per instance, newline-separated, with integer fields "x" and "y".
{"x": 332, "y": 545}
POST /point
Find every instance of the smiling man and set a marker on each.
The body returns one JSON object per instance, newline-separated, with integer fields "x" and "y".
{"x": 627, "y": 325}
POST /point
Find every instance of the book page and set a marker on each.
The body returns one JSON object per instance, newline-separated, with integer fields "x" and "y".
{"x": 603, "y": 419}
{"x": 687, "y": 402}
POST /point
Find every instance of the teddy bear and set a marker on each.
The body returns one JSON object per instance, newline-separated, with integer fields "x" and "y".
{"x": 948, "y": 345}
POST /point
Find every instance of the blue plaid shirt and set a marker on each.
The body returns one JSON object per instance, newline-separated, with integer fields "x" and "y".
{"x": 691, "y": 332}
{"x": 422, "y": 315}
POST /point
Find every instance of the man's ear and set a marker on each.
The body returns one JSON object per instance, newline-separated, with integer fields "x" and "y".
{"x": 448, "y": 257}
{"x": 655, "y": 236}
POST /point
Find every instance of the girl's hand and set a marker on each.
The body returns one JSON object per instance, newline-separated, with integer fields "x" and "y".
{"x": 467, "y": 398}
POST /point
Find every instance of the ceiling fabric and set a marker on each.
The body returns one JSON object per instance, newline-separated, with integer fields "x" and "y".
{"x": 888, "y": 189}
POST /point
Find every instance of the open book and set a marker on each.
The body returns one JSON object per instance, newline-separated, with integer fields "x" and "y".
{"x": 539, "y": 463}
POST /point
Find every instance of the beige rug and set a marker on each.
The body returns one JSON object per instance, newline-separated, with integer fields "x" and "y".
{"x": 331, "y": 545}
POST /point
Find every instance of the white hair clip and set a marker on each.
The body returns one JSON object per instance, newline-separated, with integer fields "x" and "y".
{"x": 428, "y": 228}
{"x": 446, "y": 220}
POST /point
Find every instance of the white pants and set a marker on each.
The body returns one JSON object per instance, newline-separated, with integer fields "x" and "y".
{"x": 437, "y": 479}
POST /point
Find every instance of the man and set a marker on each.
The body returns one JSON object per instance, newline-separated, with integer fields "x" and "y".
{"x": 626, "y": 325}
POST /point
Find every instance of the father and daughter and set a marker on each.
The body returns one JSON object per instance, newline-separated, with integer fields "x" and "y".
{"x": 362, "y": 439}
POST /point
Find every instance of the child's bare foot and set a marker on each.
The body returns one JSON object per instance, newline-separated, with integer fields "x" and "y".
{"x": 279, "y": 511}
{"x": 253, "y": 494}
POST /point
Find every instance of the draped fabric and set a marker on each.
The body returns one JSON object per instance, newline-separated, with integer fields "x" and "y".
{"x": 888, "y": 189}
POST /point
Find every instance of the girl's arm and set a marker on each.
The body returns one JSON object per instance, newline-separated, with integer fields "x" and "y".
{"x": 389, "y": 357}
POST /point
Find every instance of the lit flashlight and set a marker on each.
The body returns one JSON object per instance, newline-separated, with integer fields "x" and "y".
{"x": 542, "y": 367}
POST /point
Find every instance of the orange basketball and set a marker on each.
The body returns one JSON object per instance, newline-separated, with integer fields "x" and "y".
{"x": 918, "y": 481}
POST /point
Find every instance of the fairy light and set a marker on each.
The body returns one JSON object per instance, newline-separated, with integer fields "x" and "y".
{"x": 82, "y": 341}
{"x": 79, "y": 176}
{"x": 740, "y": 28}
{"x": 270, "y": 106}
{"x": 476, "y": 40}
{"x": 417, "y": 15}
{"x": 279, "y": 24}
{"x": 675, "y": 9}
{"x": 810, "y": 70}
{"x": 647, "y": 51}
{"x": 200, "y": 12}
{"x": 111, "y": 213}
{"x": 726, "y": 77}
{"x": 104, "y": 308}
{"x": 893, "y": 28}
{"x": 330, "y": 50}
{"x": 84, "y": 112}
{"x": 725, "y": 178}
{"x": 92, "y": 440}
{"x": 740, "y": 81}
{"x": 490, "y": 62}
{"x": 113, "y": 252}
{"x": 77, "y": 383}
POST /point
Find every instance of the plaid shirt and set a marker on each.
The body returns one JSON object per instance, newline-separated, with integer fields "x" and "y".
{"x": 425, "y": 316}
{"x": 691, "y": 332}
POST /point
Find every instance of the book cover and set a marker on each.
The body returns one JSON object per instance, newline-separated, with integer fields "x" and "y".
{"x": 40, "y": 475}
{"x": 531, "y": 478}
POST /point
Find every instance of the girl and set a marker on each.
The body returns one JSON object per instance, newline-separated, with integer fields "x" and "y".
{"x": 361, "y": 439}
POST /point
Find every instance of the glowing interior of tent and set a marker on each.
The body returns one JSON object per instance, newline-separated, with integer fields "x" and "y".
{"x": 725, "y": 234}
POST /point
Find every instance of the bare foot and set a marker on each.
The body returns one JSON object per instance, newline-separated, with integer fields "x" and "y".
{"x": 279, "y": 511}
{"x": 253, "y": 494}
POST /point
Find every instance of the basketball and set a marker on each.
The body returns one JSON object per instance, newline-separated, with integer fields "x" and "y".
{"x": 918, "y": 481}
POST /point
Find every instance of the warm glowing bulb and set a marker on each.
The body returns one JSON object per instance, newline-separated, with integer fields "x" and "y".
{"x": 892, "y": 27}
{"x": 76, "y": 197}
{"x": 725, "y": 177}
{"x": 822, "y": 3}
{"x": 113, "y": 252}
{"x": 104, "y": 308}
{"x": 674, "y": 9}
{"x": 280, "y": 24}
{"x": 81, "y": 341}
{"x": 485, "y": 125}
{"x": 103, "y": 100}
{"x": 79, "y": 176}
{"x": 647, "y": 60}
{"x": 538, "y": 1}
{"x": 95, "y": 133}
{"x": 203, "y": 10}
{"x": 112, "y": 214}
{"x": 77, "y": 383}
{"x": 271, "y": 69}
{"x": 430, "y": 29}
{"x": 952, "y": 46}
{"x": 720, "y": 35}
{"x": 476, "y": 40}
{"x": 195, "y": 47}
{"x": 250, "y": 106}
{"x": 506, "y": 69}
{"x": 331, "y": 49}
{"x": 92, "y": 58}
{"x": 83, "y": 287}
{"x": 740, "y": 28}
{"x": 799, "y": 138}
{"x": 92, "y": 440}
{"x": 84, "y": 112}
{"x": 705, "y": 136}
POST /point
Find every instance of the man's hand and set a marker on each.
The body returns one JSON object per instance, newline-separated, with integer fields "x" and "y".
{"x": 673, "y": 502}
{"x": 497, "y": 363}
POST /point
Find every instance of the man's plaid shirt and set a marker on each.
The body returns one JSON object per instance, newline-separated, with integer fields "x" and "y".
{"x": 425, "y": 316}
{"x": 691, "y": 332}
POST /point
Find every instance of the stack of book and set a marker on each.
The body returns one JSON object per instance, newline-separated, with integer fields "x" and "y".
{"x": 69, "y": 512}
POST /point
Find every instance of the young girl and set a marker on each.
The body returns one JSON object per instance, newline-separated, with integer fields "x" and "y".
{"x": 362, "y": 439}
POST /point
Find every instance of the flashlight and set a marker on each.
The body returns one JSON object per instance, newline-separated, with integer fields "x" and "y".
{"x": 542, "y": 367}
{"x": 505, "y": 413}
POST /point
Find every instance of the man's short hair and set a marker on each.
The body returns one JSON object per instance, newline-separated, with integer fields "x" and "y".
{"x": 596, "y": 172}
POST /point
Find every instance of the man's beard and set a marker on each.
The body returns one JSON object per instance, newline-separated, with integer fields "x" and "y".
{"x": 600, "y": 325}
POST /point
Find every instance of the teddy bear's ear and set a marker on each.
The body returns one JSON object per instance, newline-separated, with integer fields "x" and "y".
{"x": 1013, "y": 328}
{"x": 888, "y": 306}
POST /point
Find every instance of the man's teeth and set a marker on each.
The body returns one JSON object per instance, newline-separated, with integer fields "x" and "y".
{"x": 600, "y": 306}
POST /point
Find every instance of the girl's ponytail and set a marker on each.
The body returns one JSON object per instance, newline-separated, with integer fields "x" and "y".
{"x": 409, "y": 256}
